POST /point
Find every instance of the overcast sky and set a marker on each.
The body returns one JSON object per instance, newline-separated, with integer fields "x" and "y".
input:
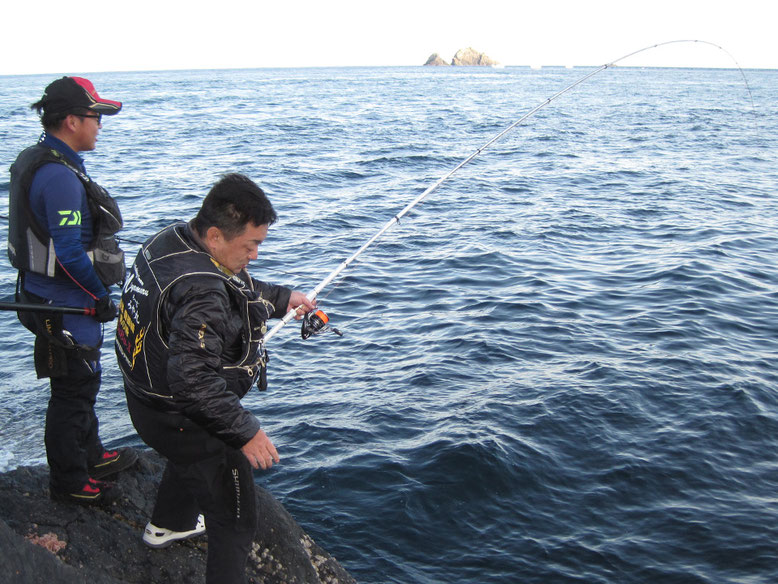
{"x": 56, "y": 37}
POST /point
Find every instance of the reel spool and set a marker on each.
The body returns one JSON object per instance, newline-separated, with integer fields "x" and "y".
{"x": 315, "y": 323}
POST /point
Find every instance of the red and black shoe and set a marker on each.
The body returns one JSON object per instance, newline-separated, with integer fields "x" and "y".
{"x": 92, "y": 493}
{"x": 113, "y": 461}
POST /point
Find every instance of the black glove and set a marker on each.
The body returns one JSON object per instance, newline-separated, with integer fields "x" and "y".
{"x": 105, "y": 309}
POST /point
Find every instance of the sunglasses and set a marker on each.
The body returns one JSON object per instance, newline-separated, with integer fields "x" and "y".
{"x": 98, "y": 117}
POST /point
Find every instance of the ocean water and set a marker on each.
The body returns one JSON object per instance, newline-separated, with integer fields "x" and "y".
{"x": 559, "y": 368}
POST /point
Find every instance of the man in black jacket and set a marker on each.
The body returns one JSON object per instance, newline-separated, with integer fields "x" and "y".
{"x": 188, "y": 343}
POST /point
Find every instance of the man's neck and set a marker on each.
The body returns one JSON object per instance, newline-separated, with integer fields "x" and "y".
{"x": 206, "y": 248}
{"x": 63, "y": 137}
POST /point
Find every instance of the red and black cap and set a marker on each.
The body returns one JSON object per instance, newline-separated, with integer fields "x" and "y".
{"x": 70, "y": 93}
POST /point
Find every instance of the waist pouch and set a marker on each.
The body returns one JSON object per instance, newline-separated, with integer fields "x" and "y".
{"x": 53, "y": 346}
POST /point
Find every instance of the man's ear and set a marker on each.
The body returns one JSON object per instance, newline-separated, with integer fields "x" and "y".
{"x": 69, "y": 123}
{"x": 214, "y": 235}
{"x": 214, "y": 239}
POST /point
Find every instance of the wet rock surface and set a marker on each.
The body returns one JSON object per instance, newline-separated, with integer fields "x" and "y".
{"x": 46, "y": 541}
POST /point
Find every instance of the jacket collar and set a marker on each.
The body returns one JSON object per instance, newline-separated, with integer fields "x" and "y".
{"x": 67, "y": 151}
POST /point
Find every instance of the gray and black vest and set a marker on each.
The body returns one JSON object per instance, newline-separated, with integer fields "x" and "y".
{"x": 30, "y": 247}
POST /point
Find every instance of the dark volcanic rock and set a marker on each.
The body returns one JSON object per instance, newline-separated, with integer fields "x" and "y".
{"x": 42, "y": 541}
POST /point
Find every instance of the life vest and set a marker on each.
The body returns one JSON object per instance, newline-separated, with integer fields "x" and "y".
{"x": 30, "y": 247}
{"x": 141, "y": 341}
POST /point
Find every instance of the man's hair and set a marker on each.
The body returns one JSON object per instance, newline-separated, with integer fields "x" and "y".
{"x": 52, "y": 121}
{"x": 233, "y": 203}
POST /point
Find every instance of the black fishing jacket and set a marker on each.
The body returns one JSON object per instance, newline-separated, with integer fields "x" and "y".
{"x": 188, "y": 334}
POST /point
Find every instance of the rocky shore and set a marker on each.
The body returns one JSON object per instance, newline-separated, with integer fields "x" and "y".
{"x": 42, "y": 541}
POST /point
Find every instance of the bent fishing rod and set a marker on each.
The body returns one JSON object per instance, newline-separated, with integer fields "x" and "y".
{"x": 319, "y": 320}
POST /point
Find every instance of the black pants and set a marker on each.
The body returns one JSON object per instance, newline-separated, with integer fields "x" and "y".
{"x": 72, "y": 441}
{"x": 203, "y": 475}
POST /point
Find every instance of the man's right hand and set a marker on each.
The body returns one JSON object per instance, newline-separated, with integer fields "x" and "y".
{"x": 105, "y": 309}
{"x": 260, "y": 451}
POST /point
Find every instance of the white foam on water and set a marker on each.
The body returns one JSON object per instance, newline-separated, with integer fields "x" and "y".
{"x": 7, "y": 460}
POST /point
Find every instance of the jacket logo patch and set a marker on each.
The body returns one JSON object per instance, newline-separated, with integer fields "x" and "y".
{"x": 129, "y": 342}
{"x": 138, "y": 346}
{"x": 69, "y": 218}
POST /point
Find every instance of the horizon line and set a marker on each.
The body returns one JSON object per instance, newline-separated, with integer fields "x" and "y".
{"x": 443, "y": 67}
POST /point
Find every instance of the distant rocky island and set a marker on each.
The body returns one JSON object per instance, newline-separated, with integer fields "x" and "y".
{"x": 468, "y": 57}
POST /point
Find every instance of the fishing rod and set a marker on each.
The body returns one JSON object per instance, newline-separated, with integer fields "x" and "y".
{"x": 22, "y": 307}
{"x": 318, "y": 321}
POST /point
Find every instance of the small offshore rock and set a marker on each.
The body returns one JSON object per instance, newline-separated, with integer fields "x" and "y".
{"x": 435, "y": 61}
{"x": 469, "y": 57}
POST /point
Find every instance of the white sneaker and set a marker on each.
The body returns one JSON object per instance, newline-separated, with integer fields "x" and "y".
{"x": 159, "y": 537}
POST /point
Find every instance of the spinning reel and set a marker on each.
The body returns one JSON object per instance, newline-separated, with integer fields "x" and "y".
{"x": 315, "y": 323}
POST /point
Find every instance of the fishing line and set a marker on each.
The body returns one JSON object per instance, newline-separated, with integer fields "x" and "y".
{"x": 432, "y": 188}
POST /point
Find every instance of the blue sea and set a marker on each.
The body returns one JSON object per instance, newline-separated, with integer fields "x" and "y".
{"x": 558, "y": 368}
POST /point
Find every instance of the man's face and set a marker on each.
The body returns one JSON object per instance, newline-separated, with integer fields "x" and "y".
{"x": 86, "y": 128}
{"x": 236, "y": 253}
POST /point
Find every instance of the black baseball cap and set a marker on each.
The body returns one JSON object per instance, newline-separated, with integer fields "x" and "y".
{"x": 70, "y": 93}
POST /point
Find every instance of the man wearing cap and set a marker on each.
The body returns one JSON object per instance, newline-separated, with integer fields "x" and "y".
{"x": 61, "y": 239}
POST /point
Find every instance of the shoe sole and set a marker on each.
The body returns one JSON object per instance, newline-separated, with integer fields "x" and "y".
{"x": 171, "y": 541}
{"x": 106, "y": 469}
{"x": 181, "y": 536}
{"x": 102, "y": 498}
